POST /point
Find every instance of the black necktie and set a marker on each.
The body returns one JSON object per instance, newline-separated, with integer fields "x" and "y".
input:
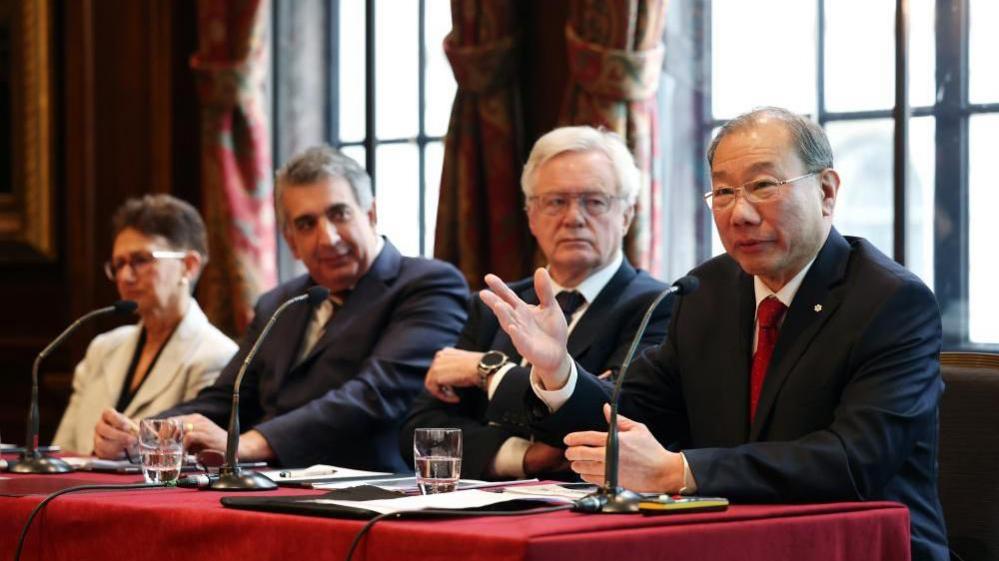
{"x": 569, "y": 301}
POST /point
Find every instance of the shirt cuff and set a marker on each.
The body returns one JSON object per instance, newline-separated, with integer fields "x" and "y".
{"x": 689, "y": 483}
{"x": 494, "y": 382}
{"x": 509, "y": 460}
{"x": 555, "y": 399}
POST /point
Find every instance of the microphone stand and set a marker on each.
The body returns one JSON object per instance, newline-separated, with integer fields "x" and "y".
{"x": 31, "y": 459}
{"x": 612, "y": 498}
{"x": 231, "y": 476}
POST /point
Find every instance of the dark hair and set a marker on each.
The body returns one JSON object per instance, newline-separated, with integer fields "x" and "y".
{"x": 166, "y": 216}
{"x": 808, "y": 137}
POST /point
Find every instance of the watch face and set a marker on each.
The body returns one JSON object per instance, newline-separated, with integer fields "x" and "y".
{"x": 493, "y": 359}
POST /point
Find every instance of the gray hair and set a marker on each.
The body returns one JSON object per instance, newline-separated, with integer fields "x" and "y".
{"x": 319, "y": 163}
{"x": 808, "y": 137}
{"x": 584, "y": 139}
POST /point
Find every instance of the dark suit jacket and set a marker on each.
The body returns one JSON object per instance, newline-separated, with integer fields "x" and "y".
{"x": 848, "y": 409}
{"x": 599, "y": 341}
{"x": 343, "y": 403}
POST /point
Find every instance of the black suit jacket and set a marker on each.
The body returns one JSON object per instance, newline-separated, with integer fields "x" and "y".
{"x": 343, "y": 404}
{"x": 848, "y": 409}
{"x": 599, "y": 341}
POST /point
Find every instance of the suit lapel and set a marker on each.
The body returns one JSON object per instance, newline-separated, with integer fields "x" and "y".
{"x": 735, "y": 399}
{"x": 288, "y": 334}
{"x": 116, "y": 364}
{"x": 813, "y": 305}
{"x": 590, "y": 324}
{"x": 173, "y": 357}
{"x": 368, "y": 289}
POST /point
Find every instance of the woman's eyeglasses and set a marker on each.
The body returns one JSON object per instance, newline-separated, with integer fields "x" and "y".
{"x": 139, "y": 261}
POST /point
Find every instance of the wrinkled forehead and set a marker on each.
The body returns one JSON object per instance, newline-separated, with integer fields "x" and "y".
{"x": 764, "y": 146}
{"x": 588, "y": 171}
{"x": 316, "y": 197}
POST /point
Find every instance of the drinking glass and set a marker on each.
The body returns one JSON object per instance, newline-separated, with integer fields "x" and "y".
{"x": 161, "y": 449}
{"x": 437, "y": 454}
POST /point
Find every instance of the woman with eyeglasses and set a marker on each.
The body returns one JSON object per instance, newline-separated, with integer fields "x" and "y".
{"x": 160, "y": 247}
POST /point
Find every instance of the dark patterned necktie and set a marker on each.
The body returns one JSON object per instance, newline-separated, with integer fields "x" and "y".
{"x": 767, "y": 319}
{"x": 569, "y": 301}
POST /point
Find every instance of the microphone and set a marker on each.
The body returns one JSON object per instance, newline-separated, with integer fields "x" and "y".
{"x": 611, "y": 498}
{"x": 31, "y": 460}
{"x": 231, "y": 476}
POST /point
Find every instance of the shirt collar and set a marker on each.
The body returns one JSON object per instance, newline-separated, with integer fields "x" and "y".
{"x": 786, "y": 293}
{"x": 592, "y": 285}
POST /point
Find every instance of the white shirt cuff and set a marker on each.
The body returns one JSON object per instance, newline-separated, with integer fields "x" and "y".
{"x": 555, "y": 399}
{"x": 494, "y": 382}
{"x": 689, "y": 483}
{"x": 509, "y": 460}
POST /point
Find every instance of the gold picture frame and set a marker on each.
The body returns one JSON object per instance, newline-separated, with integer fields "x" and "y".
{"x": 26, "y": 225}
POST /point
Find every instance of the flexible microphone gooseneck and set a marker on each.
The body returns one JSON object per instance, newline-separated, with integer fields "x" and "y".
{"x": 611, "y": 498}
{"x": 31, "y": 460}
{"x": 231, "y": 476}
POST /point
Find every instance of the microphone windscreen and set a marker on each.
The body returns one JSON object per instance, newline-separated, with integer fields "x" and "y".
{"x": 125, "y": 306}
{"x": 317, "y": 294}
{"x": 686, "y": 285}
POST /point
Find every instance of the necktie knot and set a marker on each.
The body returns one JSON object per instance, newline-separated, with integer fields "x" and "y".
{"x": 769, "y": 313}
{"x": 569, "y": 301}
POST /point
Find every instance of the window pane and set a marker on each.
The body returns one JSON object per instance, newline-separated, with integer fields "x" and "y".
{"x": 922, "y": 53}
{"x": 351, "y": 90}
{"x": 982, "y": 49}
{"x": 398, "y": 196}
{"x": 862, "y": 152}
{"x": 762, "y": 53}
{"x": 920, "y": 198}
{"x": 356, "y": 153}
{"x": 983, "y": 230}
{"x": 859, "y": 55}
{"x": 440, "y": 86}
{"x": 397, "y": 65}
{"x": 434, "y": 165}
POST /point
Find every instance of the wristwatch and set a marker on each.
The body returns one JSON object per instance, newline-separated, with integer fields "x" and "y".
{"x": 489, "y": 364}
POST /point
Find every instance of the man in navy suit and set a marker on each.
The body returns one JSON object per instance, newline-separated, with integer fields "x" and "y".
{"x": 580, "y": 185}
{"x": 806, "y": 368}
{"x": 330, "y": 384}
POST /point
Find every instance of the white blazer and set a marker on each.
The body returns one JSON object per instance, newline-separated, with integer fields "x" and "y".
{"x": 191, "y": 360}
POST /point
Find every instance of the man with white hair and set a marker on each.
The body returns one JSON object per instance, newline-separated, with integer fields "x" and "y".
{"x": 580, "y": 184}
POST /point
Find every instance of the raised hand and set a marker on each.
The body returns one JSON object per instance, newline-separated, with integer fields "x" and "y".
{"x": 538, "y": 332}
{"x": 644, "y": 465}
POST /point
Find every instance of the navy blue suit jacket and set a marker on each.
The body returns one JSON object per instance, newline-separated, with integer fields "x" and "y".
{"x": 848, "y": 409}
{"x": 344, "y": 402}
{"x": 599, "y": 341}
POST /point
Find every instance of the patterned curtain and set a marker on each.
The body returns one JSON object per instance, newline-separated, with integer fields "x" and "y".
{"x": 235, "y": 159}
{"x": 481, "y": 225}
{"x": 615, "y": 53}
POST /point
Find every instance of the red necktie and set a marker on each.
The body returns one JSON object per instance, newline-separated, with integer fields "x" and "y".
{"x": 767, "y": 317}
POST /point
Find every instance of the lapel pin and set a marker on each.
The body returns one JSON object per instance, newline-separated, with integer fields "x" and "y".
{"x": 818, "y": 308}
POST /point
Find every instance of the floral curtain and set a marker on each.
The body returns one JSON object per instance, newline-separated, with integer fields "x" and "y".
{"x": 231, "y": 68}
{"x": 615, "y": 55}
{"x": 481, "y": 225}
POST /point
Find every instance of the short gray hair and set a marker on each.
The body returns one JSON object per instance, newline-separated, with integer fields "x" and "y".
{"x": 584, "y": 139}
{"x": 808, "y": 137}
{"x": 319, "y": 163}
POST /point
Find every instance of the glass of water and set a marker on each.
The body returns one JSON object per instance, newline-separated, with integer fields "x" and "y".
{"x": 161, "y": 449}
{"x": 437, "y": 454}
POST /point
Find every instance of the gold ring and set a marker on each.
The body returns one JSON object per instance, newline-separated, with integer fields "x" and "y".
{"x": 188, "y": 427}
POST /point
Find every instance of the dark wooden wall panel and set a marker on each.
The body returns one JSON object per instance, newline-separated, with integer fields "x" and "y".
{"x": 125, "y": 124}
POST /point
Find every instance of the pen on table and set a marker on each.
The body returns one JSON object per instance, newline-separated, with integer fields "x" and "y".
{"x": 307, "y": 472}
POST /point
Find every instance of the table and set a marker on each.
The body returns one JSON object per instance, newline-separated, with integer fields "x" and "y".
{"x": 184, "y": 524}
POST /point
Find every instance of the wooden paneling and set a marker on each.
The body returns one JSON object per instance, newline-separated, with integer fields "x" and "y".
{"x": 125, "y": 123}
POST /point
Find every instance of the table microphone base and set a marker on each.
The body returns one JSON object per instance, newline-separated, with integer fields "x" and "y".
{"x": 39, "y": 464}
{"x": 236, "y": 479}
{"x": 616, "y": 501}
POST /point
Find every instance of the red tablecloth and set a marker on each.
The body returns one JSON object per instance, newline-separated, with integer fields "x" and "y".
{"x": 183, "y": 524}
